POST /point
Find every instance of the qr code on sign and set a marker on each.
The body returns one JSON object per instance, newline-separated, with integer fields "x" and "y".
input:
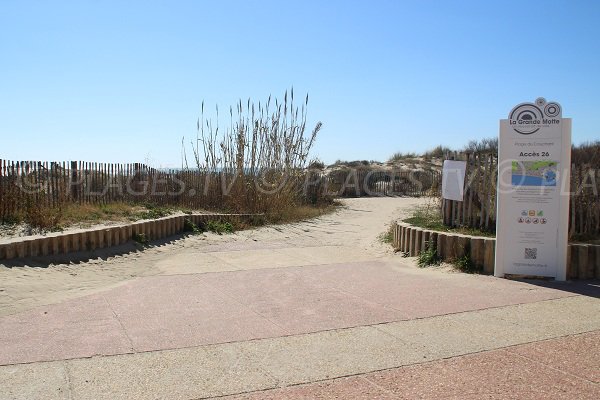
{"x": 531, "y": 254}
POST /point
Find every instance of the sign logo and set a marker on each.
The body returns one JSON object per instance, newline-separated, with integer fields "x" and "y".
{"x": 528, "y": 118}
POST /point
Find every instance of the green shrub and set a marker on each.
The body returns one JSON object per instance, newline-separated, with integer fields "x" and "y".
{"x": 466, "y": 264}
{"x": 219, "y": 227}
{"x": 189, "y": 226}
{"x": 154, "y": 212}
{"x": 141, "y": 238}
{"x": 387, "y": 236}
{"x": 427, "y": 216}
{"x": 428, "y": 256}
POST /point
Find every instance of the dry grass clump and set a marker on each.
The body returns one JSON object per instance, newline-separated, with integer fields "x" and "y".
{"x": 403, "y": 156}
{"x": 33, "y": 212}
{"x": 301, "y": 212}
{"x": 37, "y": 216}
{"x": 437, "y": 152}
{"x": 257, "y": 164}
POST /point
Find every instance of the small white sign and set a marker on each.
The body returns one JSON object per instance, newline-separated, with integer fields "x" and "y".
{"x": 453, "y": 180}
{"x": 534, "y": 159}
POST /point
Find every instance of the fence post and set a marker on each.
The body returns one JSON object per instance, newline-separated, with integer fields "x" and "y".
{"x": 74, "y": 181}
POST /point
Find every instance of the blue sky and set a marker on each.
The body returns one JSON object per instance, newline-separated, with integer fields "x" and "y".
{"x": 123, "y": 81}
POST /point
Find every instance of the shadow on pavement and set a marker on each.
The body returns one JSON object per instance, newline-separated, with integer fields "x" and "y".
{"x": 590, "y": 287}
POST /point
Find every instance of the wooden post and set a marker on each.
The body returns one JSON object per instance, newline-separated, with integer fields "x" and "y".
{"x": 597, "y": 261}
{"x": 583, "y": 260}
{"x": 74, "y": 182}
{"x": 489, "y": 255}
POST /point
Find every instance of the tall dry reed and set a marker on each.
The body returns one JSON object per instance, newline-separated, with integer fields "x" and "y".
{"x": 258, "y": 162}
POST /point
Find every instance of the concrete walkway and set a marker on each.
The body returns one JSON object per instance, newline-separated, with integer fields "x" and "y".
{"x": 313, "y": 310}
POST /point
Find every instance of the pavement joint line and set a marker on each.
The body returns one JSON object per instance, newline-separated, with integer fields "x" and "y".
{"x": 266, "y": 372}
{"x": 246, "y": 269}
{"x": 67, "y": 375}
{"x": 159, "y": 274}
{"x": 375, "y": 326}
{"x": 304, "y": 259}
{"x": 362, "y": 374}
{"x": 260, "y": 268}
{"x": 385, "y": 306}
{"x": 276, "y": 248}
{"x": 220, "y": 259}
{"x": 533, "y": 360}
{"x": 246, "y": 307}
{"x": 131, "y": 346}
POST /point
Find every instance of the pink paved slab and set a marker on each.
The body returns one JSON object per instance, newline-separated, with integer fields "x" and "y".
{"x": 491, "y": 375}
{"x": 73, "y": 329}
{"x": 179, "y": 311}
{"x": 497, "y": 374}
{"x": 165, "y": 312}
{"x": 418, "y": 296}
{"x": 305, "y": 299}
{"x": 579, "y": 355}
{"x": 292, "y": 299}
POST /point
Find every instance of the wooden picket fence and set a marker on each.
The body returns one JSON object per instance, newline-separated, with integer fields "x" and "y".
{"x": 478, "y": 209}
{"x": 24, "y": 184}
{"x": 352, "y": 182}
{"x": 54, "y": 184}
{"x": 584, "y": 218}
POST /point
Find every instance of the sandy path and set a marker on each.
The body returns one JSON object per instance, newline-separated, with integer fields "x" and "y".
{"x": 349, "y": 234}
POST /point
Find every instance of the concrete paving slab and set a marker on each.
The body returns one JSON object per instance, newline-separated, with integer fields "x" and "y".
{"x": 579, "y": 355}
{"x": 165, "y": 312}
{"x": 304, "y": 299}
{"x": 179, "y": 311}
{"x": 324, "y": 355}
{"x": 88, "y": 308}
{"x": 292, "y": 300}
{"x": 420, "y": 294}
{"x": 213, "y": 370}
{"x": 81, "y": 328}
{"x": 173, "y": 374}
{"x": 166, "y": 294}
{"x": 160, "y": 332}
{"x": 452, "y": 335}
{"x": 43, "y": 381}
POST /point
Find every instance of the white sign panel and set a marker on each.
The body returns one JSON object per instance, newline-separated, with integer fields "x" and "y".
{"x": 453, "y": 179}
{"x": 534, "y": 158}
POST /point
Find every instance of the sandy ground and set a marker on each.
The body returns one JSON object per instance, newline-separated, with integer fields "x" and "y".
{"x": 9, "y": 233}
{"x": 350, "y": 233}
